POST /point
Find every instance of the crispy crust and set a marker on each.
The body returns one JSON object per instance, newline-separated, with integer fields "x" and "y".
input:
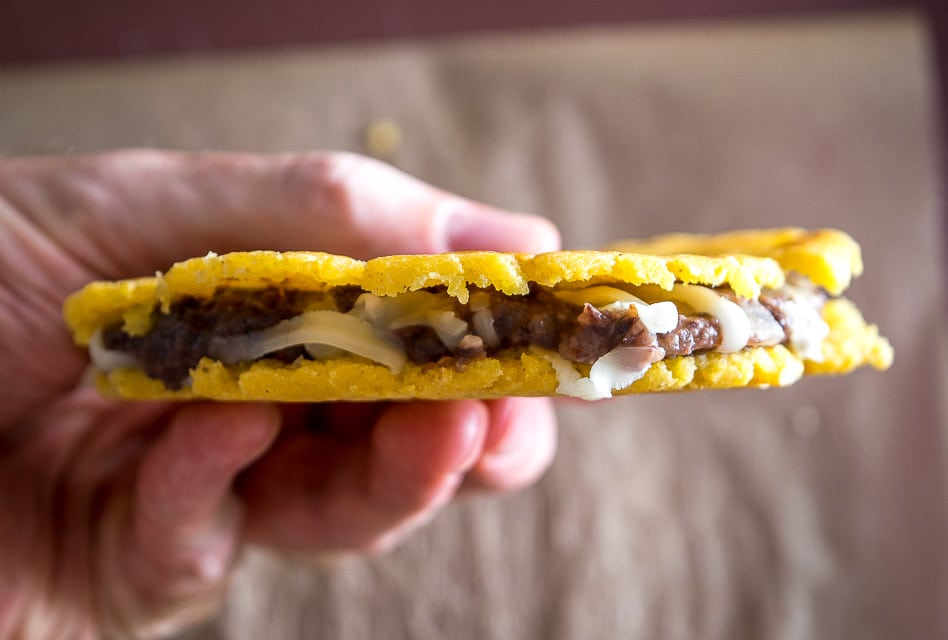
{"x": 828, "y": 257}
{"x": 745, "y": 261}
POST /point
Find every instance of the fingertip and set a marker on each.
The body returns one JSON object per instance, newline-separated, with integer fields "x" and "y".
{"x": 432, "y": 438}
{"x": 471, "y": 226}
{"x": 421, "y": 451}
{"x": 520, "y": 444}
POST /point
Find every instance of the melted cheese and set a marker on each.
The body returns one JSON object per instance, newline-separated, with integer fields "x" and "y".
{"x": 735, "y": 325}
{"x": 660, "y": 317}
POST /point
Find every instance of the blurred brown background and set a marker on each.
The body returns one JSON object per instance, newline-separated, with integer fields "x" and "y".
{"x": 818, "y": 511}
{"x": 45, "y": 31}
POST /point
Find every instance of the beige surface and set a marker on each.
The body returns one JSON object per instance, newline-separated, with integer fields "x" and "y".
{"x": 813, "y": 512}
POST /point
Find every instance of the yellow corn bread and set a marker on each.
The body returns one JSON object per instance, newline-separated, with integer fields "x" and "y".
{"x": 828, "y": 257}
{"x": 102, "y": 303}
{"x": 746, "y": 262}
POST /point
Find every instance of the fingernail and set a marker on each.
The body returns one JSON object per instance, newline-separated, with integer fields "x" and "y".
{"x": 473, "y": 227}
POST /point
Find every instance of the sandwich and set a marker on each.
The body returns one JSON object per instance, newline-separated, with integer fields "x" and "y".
{"x": 679, "y": 312}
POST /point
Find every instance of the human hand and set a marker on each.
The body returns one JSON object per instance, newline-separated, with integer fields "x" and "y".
{"x": 125, "y": 518}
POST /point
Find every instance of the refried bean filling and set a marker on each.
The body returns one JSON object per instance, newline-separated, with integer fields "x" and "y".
{"x": 180, "y": 338}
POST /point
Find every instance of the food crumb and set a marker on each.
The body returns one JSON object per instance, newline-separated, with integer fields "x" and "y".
{"x": 383, "y": 138}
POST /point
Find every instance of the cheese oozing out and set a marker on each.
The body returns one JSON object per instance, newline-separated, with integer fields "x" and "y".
{"x": 660, "y": 317}
{"x": 330, "y": 328}
{"x": 735, "y": 325}
{"x": 614, "y": 371}
{"x": 108, "y": 359}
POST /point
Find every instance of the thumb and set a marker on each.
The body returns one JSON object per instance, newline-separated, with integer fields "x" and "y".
{"x": 365, "y": 208}
{"x": 133, "y": 212}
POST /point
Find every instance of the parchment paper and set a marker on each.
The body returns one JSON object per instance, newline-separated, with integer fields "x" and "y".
{"x": 813, "y": 512}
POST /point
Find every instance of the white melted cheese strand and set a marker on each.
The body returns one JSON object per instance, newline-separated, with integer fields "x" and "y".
{"x": 569, "y": 381}
{"x": 622, "y": 366}
{"x": 482, "y": 320}
{"x": 660, "y": 317}
{"x": 735, "y": 326}
{"x": 598, "y": 296}
{"x": 107, "y": 359}
{"x": 446, "y": 324}
{"x": 614, "y": 371}
{"x": 382, "y": 310}
{"x": 483, "y": 325}
{"x": 805, "y": 325}
{"x": 414, "y": 308}
{"x": 807, "y": 330}
{"x": 764, "y": 327}
{"x": 343, "y": 331}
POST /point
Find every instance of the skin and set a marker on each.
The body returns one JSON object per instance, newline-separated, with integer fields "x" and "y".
{"x": 121, "y": 518}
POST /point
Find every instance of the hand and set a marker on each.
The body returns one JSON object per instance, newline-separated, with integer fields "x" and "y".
{"x": 122, "y": 518}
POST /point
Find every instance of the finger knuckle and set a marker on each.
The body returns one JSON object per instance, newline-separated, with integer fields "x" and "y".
{"x": 323, "y": 183}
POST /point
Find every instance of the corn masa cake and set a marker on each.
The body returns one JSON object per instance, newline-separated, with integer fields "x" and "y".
{"x": 678, "y": 312}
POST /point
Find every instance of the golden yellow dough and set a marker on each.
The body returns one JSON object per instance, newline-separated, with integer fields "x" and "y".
{"x": 828, "y": 257}
{"x": 745, "y": 261}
